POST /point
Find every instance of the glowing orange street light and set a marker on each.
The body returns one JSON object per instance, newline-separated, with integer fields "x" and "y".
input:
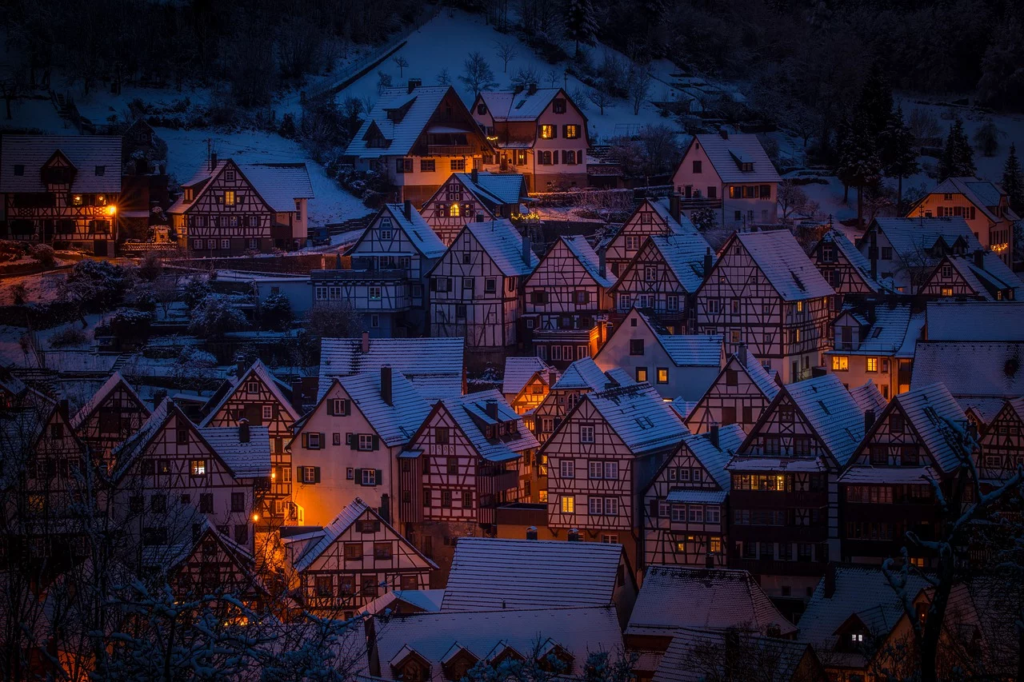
{"x": 255, "y": 518}
{"x": 111, "y": 210}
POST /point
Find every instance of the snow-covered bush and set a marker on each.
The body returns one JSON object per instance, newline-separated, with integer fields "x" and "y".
{"x": 276, "y": 313}
{"x": 43, "y": 254}
{"x": 97, "y": 284}
{"x": 66, "y": 338}
{"x": 196, "y": 291}
{"x": 151, "y": 266}
{"x": 215, "y": 317}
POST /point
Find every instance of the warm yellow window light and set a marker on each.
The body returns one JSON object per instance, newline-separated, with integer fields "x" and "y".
{"x": 453, "y": 211}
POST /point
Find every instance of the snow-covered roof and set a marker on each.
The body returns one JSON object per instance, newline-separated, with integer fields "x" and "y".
{"x": 693, "y": 350}
{"x": 96, "y": 158}
{"x": 485, "y": 634}
{"x": 639, "y": 416}
{"x": 684, "y": 256}
{"x": 971, "y": 369}
{"x": 519, "y": 370}
{"x": 100, "y": 395}
{"x": 709, "y": 599}
{"x": 988, "y": 278}
{"x": 396, "y": 423}
{"x": 910, "y": 237}
{"x": 424, "y": 600}
{"x": 939, "y": 423}
{"x": 715, "y": 459}
{"x": 975, "y": 320}
{"x": 699, "y": 655}
{"x": 856, "y": 259}
{"x": 680, "y": 225}
{"x": 493, "y": 573}
{"x": 888, "y": 475}
{"x": 399, "y": 135}
{"x": 470, "y": 413}
{"x": 762, "y": 377}
{"x": 250, "y": 459}
{"x": 280, "y": 184}
{"x": 684, "y": 408}
{"x": 586, "y": 256}
{"x": 267, "y": 378}
{"x": 984, "y": 195}
{"x": 583, "y": 374}
{"x": 727, "y": 155}
{"x": 127, "y": 451}
{"x": 984, "y": 409}
{"x": 416, "y": 230}
{"x": 495, "y": 188}
{"x": 783, "y": 262}
{"x": 885, "y": 335}
{"x": 915, "y": 330}
{"x": 433, "y": 365}
{"x": 868, "y": 397}
{"x": 519, "y": 106}
{"x": 503, "y": 243}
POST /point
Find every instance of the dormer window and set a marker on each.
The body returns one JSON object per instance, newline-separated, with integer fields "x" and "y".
{"x": 101, "y": 170}
{"x": 188, "y": 194}
{"x": 19, "y": 169}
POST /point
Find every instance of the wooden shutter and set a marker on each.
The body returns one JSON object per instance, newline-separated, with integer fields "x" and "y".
{"x": 378, "y": 476}
{"x": 330, "y": 407}
{"x": 350, "y": 440}
{"x": 359, "y": 476}
{"x": 344, "y": 408}
{"x": 316, "y": 474}
{"x": 305, "y": 440}
{"x": 323, "y": 437}
{"x": 376, "y": 443}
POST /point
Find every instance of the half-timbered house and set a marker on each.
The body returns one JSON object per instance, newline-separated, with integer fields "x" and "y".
{"x": 526, "y": 383}
{"x": 172, "y": 473}
{"x": 730, "y": 174}
{"x": 473, "y": 197}
{"x": 227, "y": 208}
{"x": 539, "y": 132}
{"x": 740, "y": 393}
{"x": 476, "y": 287}
{"x": 784, "y": 494}
{"x": 417, "y": 137}
{"x": 348, "y": 445}
{"x": 875, "y": 343}
{"x": 675, "y": 364}
{"x": 344, "y": 566}
{"x": 109, "y": 417}
{"x": 470, "y": 455}
{"x": 434, "y": 366}
{"x": 1002, "y": 443}
{"x": 565, "y": 302}
{"x": 903, "y": 252}
{"x": 685, "y": 510}
{"x": 985, "y": 206}
{"x": 662, "y": 277}
{"x": 62, "y": 190}
{"x": 843, "y": 266}
{"x": 981, "y": 375}
{"x": 981, "y": 276}
{"x": 650, "y": 219}
{"x": 601, "y": 458}
{"x": 581, "y": 377}
{"x": 764, "y": 293}
{"x": 261, "y": 399}
{"x": 386, "y": 285}
{"x": 919, "y": 440}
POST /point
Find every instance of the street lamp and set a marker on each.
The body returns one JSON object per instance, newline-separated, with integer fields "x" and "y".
{"x": 112, "y": 212}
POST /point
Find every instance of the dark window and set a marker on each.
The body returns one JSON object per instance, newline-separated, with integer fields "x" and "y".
{"x": 427, "y": 165}
{"x": 101, "y": 170}
{"x": 636, "y": 346}
{"x": 238, "y": 502}
{"x": 206, "y": 503}
{"x": 158, "y": 503}
{"x": 19, "y": 169}
{"x": 467, "y": 499}
{"x": 558, "y": 106}
{"x": 242, "y": 533}
{"x": 697, "y": 167}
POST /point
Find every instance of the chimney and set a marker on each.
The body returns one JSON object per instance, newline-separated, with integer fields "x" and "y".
{"x": 531, "y": 533}
{"x": 830, "y": 580}
{"x": 869, "y": 420}
{"x": 741, "y": 353}
{"x": 408, "y": 209}
{"x": 385, "y": 384}
{"x": 243, "y": 430}
{"x": 474, "y": 175}
{"x": 602, "y": 263}
{"x": 366, "y": 342}
{"x": 239, "y": 369}
{"x": 673, "y": 205}
{"x": 531, "y": 89}
{"x": 552, "y": 378}
{"x": 979, "y": 259}
{"x": 526, "y": 250}
{"x": 724, "y": 133}
{"x": 491, "y": 408}
{"x": 713, "y": 435}
{"x": 213, "y": 160}
{"x": 708, "y": 262}
{"x": 574, "y": 535}
{"x": 517, "y": 89}
{"x": 413, "y": 84}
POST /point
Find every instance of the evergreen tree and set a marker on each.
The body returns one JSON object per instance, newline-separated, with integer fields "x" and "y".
{"x": 876, "y": 100}
{"x": 899, "y": 156}
{"x": 957, "y": 159}
{"x": 1013, "y": 181}
{"x": 859, "y": 163}
{"x": 580, "y": 23}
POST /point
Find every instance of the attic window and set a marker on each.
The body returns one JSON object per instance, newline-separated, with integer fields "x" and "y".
{"x": 101, "y": 170}
{"x": 558, "y": 106}
{"x": 481, "y": 108}
{"x": 229, "y": 175}
{"x": 188, "y": 194}
{"x": 19, "y": 169}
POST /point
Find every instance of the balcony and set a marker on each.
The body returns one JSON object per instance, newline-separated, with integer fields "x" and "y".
{"x": 522, "y": 514}
{"x": 694, "y": 203}
{"x": 770, "y": 499}
{"x": 450, "y": 150}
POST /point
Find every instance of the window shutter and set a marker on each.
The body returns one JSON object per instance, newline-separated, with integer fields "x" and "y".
{"x": 376, "y": 443}
{"x": 305, "y": 440}
{"x": 554, "y": 157}
{"x": 344, "y": 408}
{"x": 330, "y": 407}
{"x": 378, "y": 475}
{"x": 349, "y": 438}
{"x": 433, "y": 284}
{"x": 359, "y": 476}
{"x": 654, "y": 509}
{"x": 316, "y": 474}
{"x": 323, "y": 437}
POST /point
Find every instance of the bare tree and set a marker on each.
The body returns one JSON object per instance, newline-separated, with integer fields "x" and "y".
{"x": 477, "y": 74}
{"x": 383, "y": 82}
{"x": 793, "y": 201}
{"x": 507, "y": 51}
{"x": 9, "y": 88}
{"x": 601, "y": 99}
{"x": 443, "y": 78}
{"x": 638, "y": 84}
{"x": 524, "y": 78}
{"x": 401, "y": 62}
{"x": 552, "y": 77}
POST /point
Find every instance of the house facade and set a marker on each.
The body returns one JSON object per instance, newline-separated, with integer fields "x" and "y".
{"x": 580, "y": 378}
{"x": 731, "y": 174}
{"x": 981, "y": 276}
{"x": 740, "y": 393}
{"x": 875, "y": 343}
{"x": 844, "y": 267}
{"x": 417, "y": 136}
{"x": 764, "y": 293}
{"x": 1002, "y": 443}
{"x": 228, "y": 209}
{"x": 62, "y": 190}
{"x": 538, "y": 132}
{"x": 106, "y": 420}
{"x": 650, "y": 219}
{"x": 477, "y": 196}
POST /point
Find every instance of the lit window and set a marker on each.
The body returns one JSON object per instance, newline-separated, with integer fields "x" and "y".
{"x": 572, "y": 131}
{"x": 229, "y": 197}
{"x": 662, "y": 375}
{"x": 946, "y": 291}
{"x": 453, "y": 210}
{"x": 76, "y": 200}
{"x": 197, "y": 467}
{"x": 641, "y": 374}
{"x": 542, "y": 495}
{"x": 547, "y": 132}
{"x": 568, "y": 504}
{"x": 872, "y": 364}
{"x": 799, "y": 306}
{"x": 840, "y": 363}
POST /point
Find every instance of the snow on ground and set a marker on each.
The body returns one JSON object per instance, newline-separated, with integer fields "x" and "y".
{"x": 39, "y": 288}
{"x": 445, "y": 42}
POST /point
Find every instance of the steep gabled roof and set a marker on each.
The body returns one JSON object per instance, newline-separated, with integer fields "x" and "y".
{"x": 910, "y": 237}
{"x": 470, "y": 413}
{"x": 983, "y": 195}
{"x": 856, "y": 259}
{"x": 503, "y": 243}
{"x": 413, "y": 111}
{"x": 433, "y": 365}
{"x": 586, "y": 256}
{"x": 975, "y": 320}
{"x": 495, "y": 188}
{"x": 396, "y": 423}
{"x": 519, "y": 370}
{"x": 714, "y": 459}
{"x": 246, "y": 459}
{"x": 699, "y": 655}
{"x": 785, "y": 265}
{"x": 639, "y": 416}
{"x": 868, "y": 397}
{"x": 112, "y": 382}
{"x": 885, "y": 335}
{"x": 693, "y": 350}
{"x": 938, "y": 421}
{"x": 680, "y": 225}
{"x": 993, "y": 275}
{"x": 280, "y": 184}
{"x": 126, "y": 452}
{"x": 85, "y": 152}
{"x": 684, "y": 256}
{"x": 762, "y": 377}
{"x": 708, "y": 599}
{"x": 520, "y": 106}
{"x": 727, "y": 155}
{"x": 416, "y": 230}
{"x": 267, "y": 378}
{"x": 971, "y": 369}
{"x": 584, "y": 374}
{"x": 493, "y": 573}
